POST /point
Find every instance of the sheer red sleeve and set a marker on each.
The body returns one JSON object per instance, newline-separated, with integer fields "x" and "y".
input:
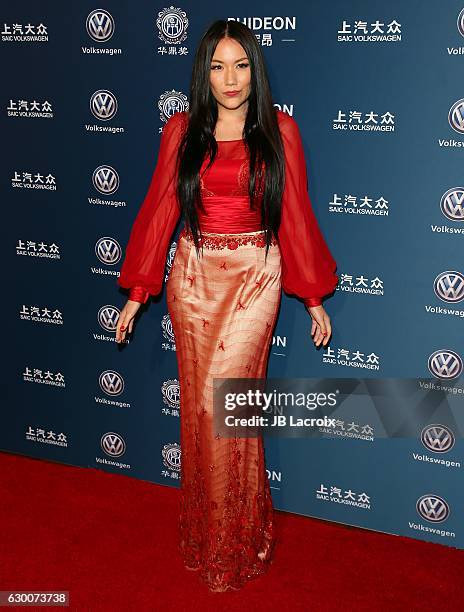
{"x": 142, "y": 270}
{"x": 308, "y": 268}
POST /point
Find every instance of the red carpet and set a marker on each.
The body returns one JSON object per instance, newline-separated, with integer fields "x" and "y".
{"x": 110, "y": 541}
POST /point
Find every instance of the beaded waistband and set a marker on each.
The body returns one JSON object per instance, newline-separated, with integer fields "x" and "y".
{"x": 230, "y": 241}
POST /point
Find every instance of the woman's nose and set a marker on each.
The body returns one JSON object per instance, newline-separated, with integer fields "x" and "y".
{"x": 230, "y": 77}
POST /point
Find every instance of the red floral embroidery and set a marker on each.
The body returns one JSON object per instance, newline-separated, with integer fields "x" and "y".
{"x": 204, "y": 191}
{"x": 243, "y": 178}
{"x": 238, "y": 544}
{"x": 229, "y": 241}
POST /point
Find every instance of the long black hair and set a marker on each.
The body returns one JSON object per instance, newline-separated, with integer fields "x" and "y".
{"x": 261, "y": 133}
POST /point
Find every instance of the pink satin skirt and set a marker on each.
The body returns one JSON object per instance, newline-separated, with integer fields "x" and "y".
{"x": 223, "y": 308}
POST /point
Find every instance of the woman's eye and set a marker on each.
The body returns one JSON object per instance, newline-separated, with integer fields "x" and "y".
{"x": 243, "y": 64}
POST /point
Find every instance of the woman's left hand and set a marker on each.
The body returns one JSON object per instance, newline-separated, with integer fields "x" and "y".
{"x": 321, "y": 328}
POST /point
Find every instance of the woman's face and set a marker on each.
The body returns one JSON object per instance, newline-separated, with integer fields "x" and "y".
{"x": 230, "y": 71}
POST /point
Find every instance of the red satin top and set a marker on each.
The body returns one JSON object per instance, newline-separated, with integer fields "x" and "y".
{"x": 224, "y": 192}
{"x": 308, "y": 268}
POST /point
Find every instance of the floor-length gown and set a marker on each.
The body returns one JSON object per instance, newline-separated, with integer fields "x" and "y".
{"x": 223, "y": 307}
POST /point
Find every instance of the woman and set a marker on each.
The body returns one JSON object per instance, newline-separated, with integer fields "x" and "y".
{"x": 234, "y": 168}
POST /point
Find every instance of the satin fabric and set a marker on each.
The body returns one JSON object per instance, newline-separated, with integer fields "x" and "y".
{"x": 229, "y": 216}
{"x": 223, "y": 308}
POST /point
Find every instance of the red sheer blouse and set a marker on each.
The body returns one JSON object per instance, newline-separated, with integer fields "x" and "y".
{"x": 308, "y": 268}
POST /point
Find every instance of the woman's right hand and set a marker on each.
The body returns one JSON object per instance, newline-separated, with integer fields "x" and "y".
{"x": 126, "y": 320}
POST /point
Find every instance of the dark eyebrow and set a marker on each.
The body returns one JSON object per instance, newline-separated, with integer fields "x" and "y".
{"x": 221, "y": 62}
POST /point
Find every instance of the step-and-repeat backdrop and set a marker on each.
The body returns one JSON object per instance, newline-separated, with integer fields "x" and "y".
{"x": 376, "y": 91}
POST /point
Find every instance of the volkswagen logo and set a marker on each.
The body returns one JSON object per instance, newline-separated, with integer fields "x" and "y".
{"x": 103, "y": 104}
{"x": 105, "y": 179}
{"x": 456, "y": 116}
{"x": 108, "y": 251}
{"x": 445, "y": 364}
{"x": 108, "y": 317}
{"x": 452, "y": 204}
{"x": 100, "y": 25}
{"x": 449, "y": 286}
{"x": 437, "y": 438}
{"x": 433, "y": 508}
{"x": 113, "y": 444}
{"x": 111, "y": 382}
{"x": 461, "y": 23}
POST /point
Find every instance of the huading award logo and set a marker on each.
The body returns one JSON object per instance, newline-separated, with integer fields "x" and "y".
{"x": 103, "y": 104}
{"x": 111, "y": 382}
{"x": 433, "y": 508}
{"x": 113, "y": 444}
{"x": 166, "y": 326}
{"x": 172, "y": 102}
{"x": 170, "y": 391}
{"x": 172, "y": 25}
{"x": 452, "y": 204}
{"x": 437, "y": 438}
{"x": 456, "y": 116}
{"x": 168, "y": 333}
{"x": 449, "y": 286}
{"x": 108, "y": 250}
{"x": 170, "y": 258}
{"x": 445, "y": 364}
{"x": 105, "y": 179}
{"x": 171, "y": 456}
{"x": 100, "y": 25}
